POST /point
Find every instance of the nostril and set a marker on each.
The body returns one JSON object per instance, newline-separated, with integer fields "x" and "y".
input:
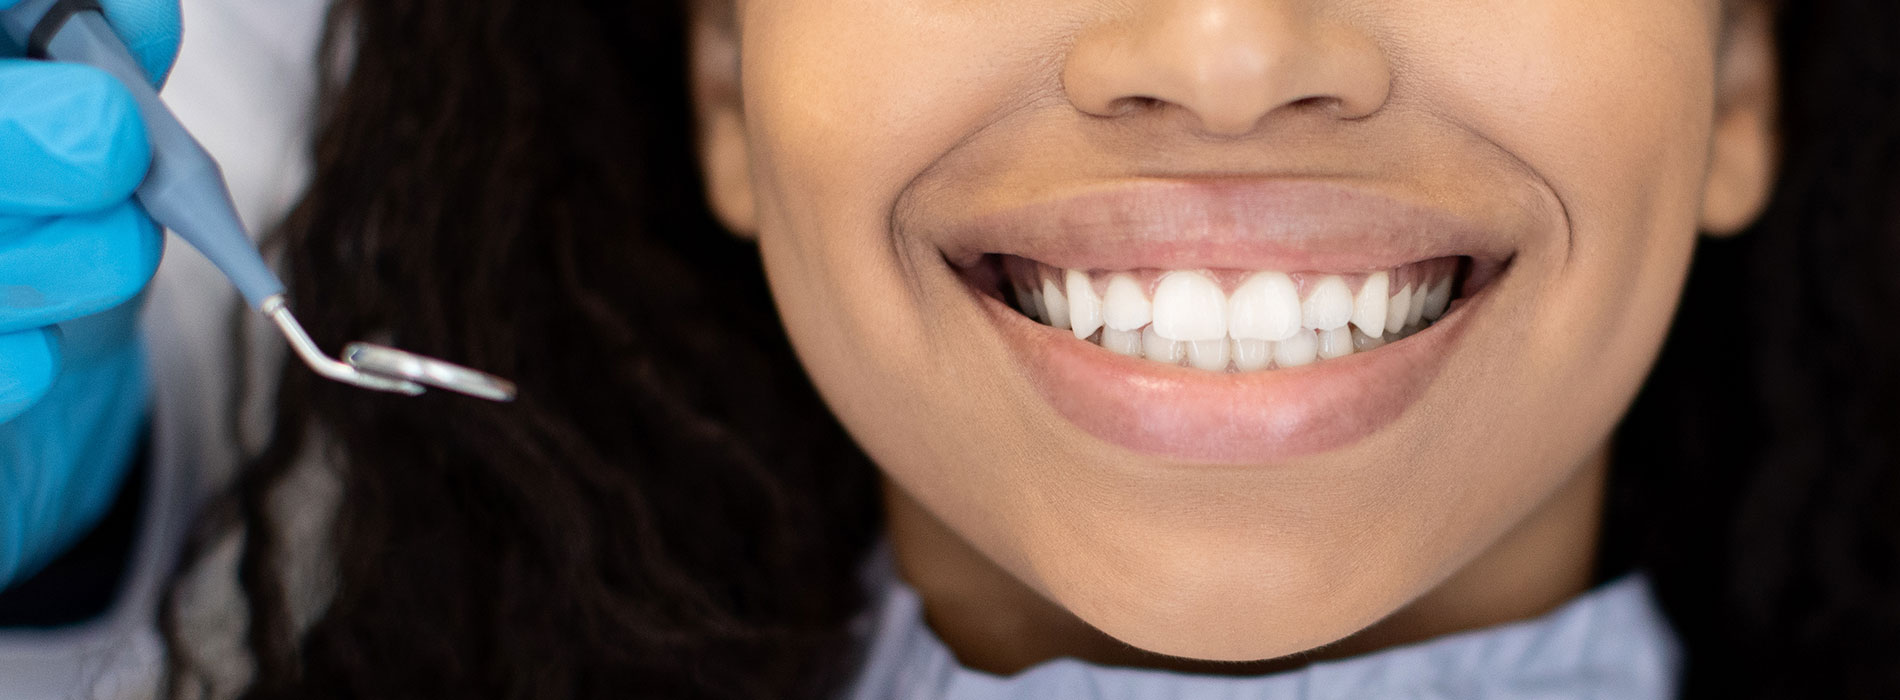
{"x": 1318, "y": 103}
{"x": 1132, "y": 105}
{"x": 1230, "y": 63}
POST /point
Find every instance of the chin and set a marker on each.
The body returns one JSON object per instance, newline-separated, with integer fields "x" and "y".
{"x": 1223, "y": 603}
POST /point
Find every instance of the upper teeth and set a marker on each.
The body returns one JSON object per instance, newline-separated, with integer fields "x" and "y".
{"x": 1186, "y": 317}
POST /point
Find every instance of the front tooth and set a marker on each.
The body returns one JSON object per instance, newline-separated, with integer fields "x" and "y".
{"x": 1368, "y": 307}
{"x": 1251, "y": 355}
{"x": 1122, "y": 342}
{"x": 1335, "y": 343}
{"x": 1329, "y": 305}
{"x": 1265, "y": 307}
{"x": 1417, "y": 310}
{"x": 1298, "y": 350}
{"x": 1056, "y": 303}
{"x": 1085, "y": 309}
{"x": 1124, "y": 306}
{"x": 1437, "y": 299}
{"x": 1210, "y": 355}
{"x": 1397, "y": 308}
{"x": 1160, "y": 349}
{"x": 1189, "y": 306}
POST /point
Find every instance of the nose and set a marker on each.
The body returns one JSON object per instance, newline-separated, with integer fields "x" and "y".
{"x": 1228, "y": 63}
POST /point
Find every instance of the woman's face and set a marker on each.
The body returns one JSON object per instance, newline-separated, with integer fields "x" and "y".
{"x": 1253, "y": 210}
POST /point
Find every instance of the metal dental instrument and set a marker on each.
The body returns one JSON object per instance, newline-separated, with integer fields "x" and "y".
{"x": 185, "y": 192}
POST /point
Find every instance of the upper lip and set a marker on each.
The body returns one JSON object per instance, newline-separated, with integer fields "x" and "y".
{"x": 1291, "y": 225}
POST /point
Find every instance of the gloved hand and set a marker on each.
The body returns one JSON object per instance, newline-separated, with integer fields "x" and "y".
{"x": 75, "y": 251}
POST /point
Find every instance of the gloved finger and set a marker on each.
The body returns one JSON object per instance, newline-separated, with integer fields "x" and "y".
{"x": 57, "y": 269}
{"x": 150, "y": 28}
{"x": 29, "y": 361}
{"x": 62, "y": 461}
{"x": 70, "y": 137}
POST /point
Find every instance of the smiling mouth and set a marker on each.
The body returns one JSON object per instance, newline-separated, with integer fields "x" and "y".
{"x": 1237, "y": 321}
{"x": 1231, "y": 320}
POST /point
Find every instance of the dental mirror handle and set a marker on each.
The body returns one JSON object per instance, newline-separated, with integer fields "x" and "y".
{"x": 185, "y": 189}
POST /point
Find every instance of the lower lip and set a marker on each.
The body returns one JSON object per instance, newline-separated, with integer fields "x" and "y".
{"x": 1227, "y": 418}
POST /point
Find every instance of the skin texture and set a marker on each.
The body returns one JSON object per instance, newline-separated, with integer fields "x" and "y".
{"x": 1599, "y": 136}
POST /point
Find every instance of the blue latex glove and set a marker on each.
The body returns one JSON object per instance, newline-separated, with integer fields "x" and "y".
{"x": 75, "y": 251}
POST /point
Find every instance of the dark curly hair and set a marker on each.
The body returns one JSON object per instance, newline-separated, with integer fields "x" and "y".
{"x": 670, "y": 512}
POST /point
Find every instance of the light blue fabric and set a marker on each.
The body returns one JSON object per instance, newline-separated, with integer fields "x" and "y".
{"x": 1609, "y": 644}
{"x": 75, "y": 251}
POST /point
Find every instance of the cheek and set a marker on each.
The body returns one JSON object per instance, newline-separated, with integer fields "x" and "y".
{"x": 838, "y": 127}
{"x": 1609, "y": 104}
{"x": 838, "y": 123}
{"x": 847, "y": 101}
